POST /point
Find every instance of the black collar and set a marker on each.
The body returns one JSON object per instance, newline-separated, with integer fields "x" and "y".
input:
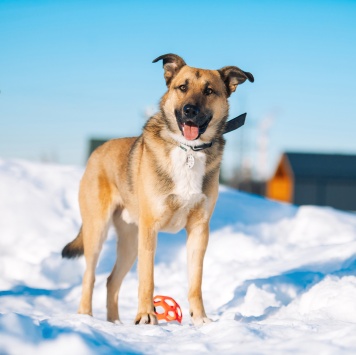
{"x": 235, "y": 123}
{"x": 196, "y": 148}
{"x": 230, "y": 126}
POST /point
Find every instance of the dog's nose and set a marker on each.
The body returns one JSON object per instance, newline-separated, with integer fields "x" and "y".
{"x": 191, "y": 111}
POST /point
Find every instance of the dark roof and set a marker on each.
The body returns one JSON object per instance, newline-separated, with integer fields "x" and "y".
{"x": 324, "y": 166}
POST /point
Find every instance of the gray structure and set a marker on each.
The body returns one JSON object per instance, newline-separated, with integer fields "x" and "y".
{"x": 324, "y": 179}
{"x": 95, "y": 143}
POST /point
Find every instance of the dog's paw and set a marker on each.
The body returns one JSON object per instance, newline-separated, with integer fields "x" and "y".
{"x": 146, "y": 318}
{"x": 114, "y": 320}
{"x": 85, "y": 312}
{"x": 199, "y": 321}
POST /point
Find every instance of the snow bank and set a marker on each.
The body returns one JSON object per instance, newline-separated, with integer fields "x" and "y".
{"x": 277, "y": 278}
{"x": 333, "y": 299}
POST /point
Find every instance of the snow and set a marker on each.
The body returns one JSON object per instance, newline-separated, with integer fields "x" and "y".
{"x": 277, "y": 278}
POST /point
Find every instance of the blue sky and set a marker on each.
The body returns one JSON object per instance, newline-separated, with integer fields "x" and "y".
{"x": 71, "y": 70}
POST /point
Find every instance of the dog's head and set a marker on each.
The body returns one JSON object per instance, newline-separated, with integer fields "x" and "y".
{"x": 195, "y": 105}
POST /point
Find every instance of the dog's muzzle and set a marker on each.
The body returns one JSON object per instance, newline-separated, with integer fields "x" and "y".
{"x": 192, "y": 122}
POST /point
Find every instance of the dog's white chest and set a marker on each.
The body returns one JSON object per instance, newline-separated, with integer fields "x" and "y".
{"x": 188, "y": 169}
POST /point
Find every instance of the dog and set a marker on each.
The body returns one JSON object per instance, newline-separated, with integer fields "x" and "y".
{"x": 166, "y": 179}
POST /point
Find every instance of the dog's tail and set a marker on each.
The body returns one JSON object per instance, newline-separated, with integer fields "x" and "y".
{"x": 75, "y": 248}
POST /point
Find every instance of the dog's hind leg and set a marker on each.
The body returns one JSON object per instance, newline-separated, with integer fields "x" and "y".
{"x": 126, "y": 256}
{"x": 96, "y": 199}
{"x": 94, "y": 235}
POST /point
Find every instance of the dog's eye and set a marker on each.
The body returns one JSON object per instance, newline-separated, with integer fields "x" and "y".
{"x": 208, "y": 91}
{"x": 182, "y": 88}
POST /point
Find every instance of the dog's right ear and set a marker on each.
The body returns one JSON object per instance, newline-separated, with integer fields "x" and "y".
{"x": 233, "y": 76}
{"x": 172, "y": 64}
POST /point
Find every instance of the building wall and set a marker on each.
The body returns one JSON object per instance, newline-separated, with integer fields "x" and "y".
{"x": 339, "y": 194}
{"x": 280, "y": 189}
{"x": 280, "y": 186}
{"x": 306, "y": 192}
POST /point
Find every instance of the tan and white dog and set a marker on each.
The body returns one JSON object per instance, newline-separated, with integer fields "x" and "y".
{"x": 164, "y": 180}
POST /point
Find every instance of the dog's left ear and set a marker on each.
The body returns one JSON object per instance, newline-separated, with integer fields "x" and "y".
{"x": 172, "y": 64}
{"x": 233, "y": 76}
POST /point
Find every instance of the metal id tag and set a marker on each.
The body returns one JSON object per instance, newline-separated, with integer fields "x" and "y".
{"x": 190, "y": 161}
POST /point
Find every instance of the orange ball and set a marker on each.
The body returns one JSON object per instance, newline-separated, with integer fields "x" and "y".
{"x": 167, "y": 308}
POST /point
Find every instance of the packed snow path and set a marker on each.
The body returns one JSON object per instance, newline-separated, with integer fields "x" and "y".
{"x": 278, "y": 279}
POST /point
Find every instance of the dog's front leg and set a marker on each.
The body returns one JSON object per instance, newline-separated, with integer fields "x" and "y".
{"x": 146, "y": 252}
{"x": 198, "y": 236}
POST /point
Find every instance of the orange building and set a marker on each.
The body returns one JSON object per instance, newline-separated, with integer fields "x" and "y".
{"x": 280, "y": 186}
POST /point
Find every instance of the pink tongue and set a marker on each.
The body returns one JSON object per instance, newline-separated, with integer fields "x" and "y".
{"x": 190, "y": 132}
